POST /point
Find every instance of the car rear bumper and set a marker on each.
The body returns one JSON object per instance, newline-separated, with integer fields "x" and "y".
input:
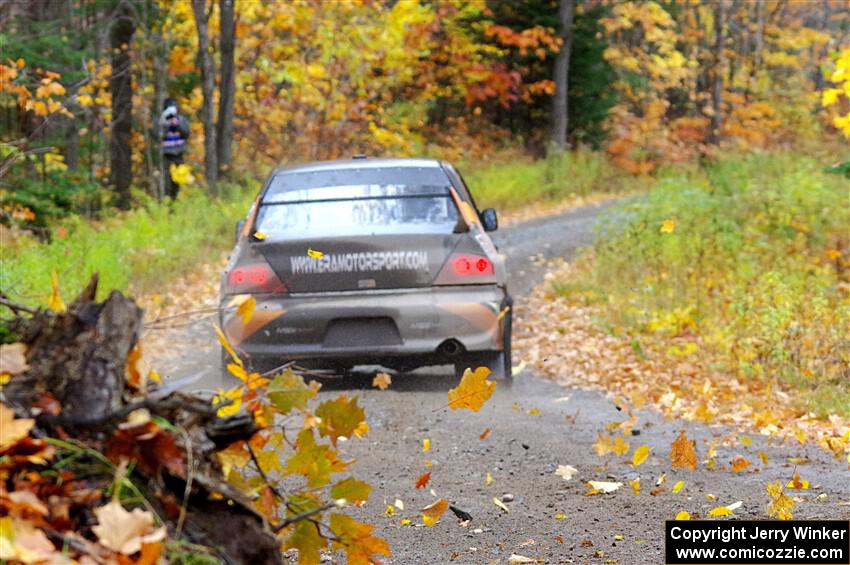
{"x": 371, "y": 325}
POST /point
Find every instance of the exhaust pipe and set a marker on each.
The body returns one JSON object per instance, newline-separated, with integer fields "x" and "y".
{"x": 451, "y": 348}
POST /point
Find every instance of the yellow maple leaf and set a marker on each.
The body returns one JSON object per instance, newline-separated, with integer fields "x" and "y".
{"x": 683, "y": 454}
{"x": 603, "y": 445}
{"x": 234, "y": 456}
{"x": 431, "y": 513}
{"x": 640, "y": 455}
{"x": 181, "y": 174}
{"x": 54, "y": 302}
{"x": 473, "y": 391}
{"x": 621, "y": 447}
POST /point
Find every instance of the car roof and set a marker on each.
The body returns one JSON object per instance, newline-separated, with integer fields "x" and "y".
{"x": 359, "y": 163}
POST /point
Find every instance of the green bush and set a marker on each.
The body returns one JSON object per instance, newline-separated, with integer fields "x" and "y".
{"x": 142, "y": 249}
{"x": 752, "y": 255}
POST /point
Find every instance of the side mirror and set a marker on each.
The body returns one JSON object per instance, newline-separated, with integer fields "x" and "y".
{"x": 489, "y": 220}
{"x": 239, "y": 225}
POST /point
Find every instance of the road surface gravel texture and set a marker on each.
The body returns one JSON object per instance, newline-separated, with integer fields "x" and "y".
{"x": 532, "y": 433}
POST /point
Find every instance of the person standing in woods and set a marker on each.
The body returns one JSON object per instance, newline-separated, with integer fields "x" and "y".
{"x": 174, "y": 132}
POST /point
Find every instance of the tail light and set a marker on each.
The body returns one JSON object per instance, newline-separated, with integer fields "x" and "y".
{"x": 253, "y": 278}
{"x": 466, "y": 268}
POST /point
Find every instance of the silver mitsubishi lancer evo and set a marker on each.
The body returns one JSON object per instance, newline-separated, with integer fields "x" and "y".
{"x": 369, "y": 262}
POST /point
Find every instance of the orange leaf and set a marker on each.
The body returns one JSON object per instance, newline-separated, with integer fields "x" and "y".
{"x": 432, "y": 512}
{"x": 739, "y": 463}
{"x": 423, "y": 479}
{"x": 484, "y": 434}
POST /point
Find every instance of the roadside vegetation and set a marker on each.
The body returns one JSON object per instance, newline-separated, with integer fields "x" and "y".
{"x": 742, "y": 267}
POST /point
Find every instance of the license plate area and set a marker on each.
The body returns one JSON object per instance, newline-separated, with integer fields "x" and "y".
{"x": 361, "y": 332}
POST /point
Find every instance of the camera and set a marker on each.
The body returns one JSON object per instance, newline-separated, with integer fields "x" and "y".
{"x": 169, "y": 112}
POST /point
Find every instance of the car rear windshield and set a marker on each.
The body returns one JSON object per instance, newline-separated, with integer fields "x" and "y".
{"x": 357, "y": 202}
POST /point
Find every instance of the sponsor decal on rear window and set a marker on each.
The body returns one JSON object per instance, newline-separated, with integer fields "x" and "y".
{"x": 360, "y": 262}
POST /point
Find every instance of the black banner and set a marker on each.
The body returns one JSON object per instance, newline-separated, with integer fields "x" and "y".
{"x": 757, "y": 542}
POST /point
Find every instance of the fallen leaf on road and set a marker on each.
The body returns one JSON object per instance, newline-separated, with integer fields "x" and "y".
{"x": 431, "y": 513}
{"x": 473, "y": 391}
{"x": 727, "y": 510}
{"x": 566, "y": 472}
{"x": 398, "y": 504}
{"x": 500, "y": 504}
{"x": 683, "y": 454}
{"x": 602, "y": 487}
{"x": 560, "y": 516}
{"x": 635, "y": 484}
{"x": 677, "y": 487}
{"x": 423, "y": 479}
{"x": 484, "y": 434}
{"x": 683, "y": 515}
{"x": 382, "y": 381}
{"x": 426, "y": 444}
{"x": 640, "y": 455}
{"x": 488, "y": 479}
{"x": 516, "y": 559}
{"x": 389, "y": 511}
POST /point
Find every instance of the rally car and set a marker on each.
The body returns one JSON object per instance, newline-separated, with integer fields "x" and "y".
{"x": 368, "y": 262}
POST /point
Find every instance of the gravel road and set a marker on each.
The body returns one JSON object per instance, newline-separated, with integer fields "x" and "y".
{"x": 532, "y": 432}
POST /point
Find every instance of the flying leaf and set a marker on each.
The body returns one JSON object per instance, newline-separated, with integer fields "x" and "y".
{"x": 602, "y": 487}
{"x": 426, "y": 444}
{"x": 667, "y": 226}
{"x": 635, "y": 484}
{"x": 640, "y": 455}
{"x": 389, "y": 511}
{"x": 484, "y": 434}
{"x": 259, "y": 235}
{"x": 382, "y": 381}
{"x": 314, "y": 253}
{"x": 763, "y": 456}
{"x": 54, "y": 302}
{"x": 781, "y": 504}
{"x": 423, "y": 479}
{"x": 746, "y": 441}
{"x": 124, "y": 531}
{"x": 683, "y": 515}
{"x": 739, "y": 463}
{"x": 500, "y": 504}
{"x": 245, "y": 311}
{"x": 677, "y": 487}
{"x": 340, "y": 417}
{"x": 560, "y": 516}
{"x": 352, "y": 490}
{"x": 226, "y": 345}
{"x": 431, "y": 513}
{"x": 566, "y": 472}
{"x": 473, "y": 391}
{"x": 683, "y": 454}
